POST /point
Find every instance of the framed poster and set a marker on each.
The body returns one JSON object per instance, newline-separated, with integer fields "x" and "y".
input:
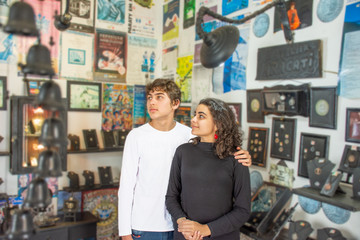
{"x": 352, "y": 133}
{"x": 323, "y": 107}
{"x": 350, "y": 159}
{"x": 84, "y": 96}
{"x": 236, "y": 108}
{"x": 83, "y": 13}
{"x": 254, "y": 106}
{"x": 3, "y": 93}
{"x": 283, "y": 138}
{"x": 311, "y": 146}
{"x": 257, "y": 145}
{"x": 90, "y": 139}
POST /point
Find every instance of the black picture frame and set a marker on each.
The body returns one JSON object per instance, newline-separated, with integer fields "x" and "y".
{"x": 84, "y": 96}
{"x": 350, "y": 159}
{"x": 323, "y": 107}
{"x": 283, "y": 138}
{"x": 257, "y": 145}
{"x": 352, "y": 132}
{"x": 3, "y": 93}
{"x": 236, "y": 108}
{"x": 120, "y": 137}
{"x": 90, "y": 139}
{"x": 108, "y": 138}
{"x": 312, "y": 146}
{"x": 254, "y": 106}
{"x": 105, "y": 175}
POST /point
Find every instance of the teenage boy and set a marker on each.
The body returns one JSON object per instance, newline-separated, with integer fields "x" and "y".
{"x": 146, "y": 162}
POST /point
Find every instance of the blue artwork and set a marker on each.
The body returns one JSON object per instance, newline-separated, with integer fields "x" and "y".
{"x": 261, "y": 25}
{"x": 76, "y": 56}
{"x": 7, "y": 47}
{"x": 111, "y": 10}
{"x": 309, "y": 205}
{"x": 230, "y": 6}
{"x": 335, "y": 214}
{"x": 328, "y": 10}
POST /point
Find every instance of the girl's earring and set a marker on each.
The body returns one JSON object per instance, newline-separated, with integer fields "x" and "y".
{"x": 216, "y": 136}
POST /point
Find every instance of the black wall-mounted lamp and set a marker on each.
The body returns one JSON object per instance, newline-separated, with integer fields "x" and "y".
{"x": 62, "y": 22}
{"x": 220, "y": 44}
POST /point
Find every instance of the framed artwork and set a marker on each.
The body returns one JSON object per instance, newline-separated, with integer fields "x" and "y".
{"x": 352, "y": 133}
{"x": 183, "y": 115}
{"x": 350, "y": 159}
{"x": 254, "y": 106}
{"x": 311, "y": 146}
{"x": 257, "y": 145}
{"x": 90, "y": 139}
{"x": 323, "y": 107}
{"x": 33, "y": 86}
{"x": 236, "y": 108}
{"x": 283, "y": 138}
{"x": 108, "y": 138}
{"x": 105, "y": 175}
{"x": 3, "y": 93}
{"x": 84, "y": 96}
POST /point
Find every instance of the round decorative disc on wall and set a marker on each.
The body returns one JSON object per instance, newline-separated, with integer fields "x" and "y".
{"x": 328, "y": 10}
{"x": 309, "y": 205}
{"x": 261, "y": 25}
{"x": 322, "y": 107}
{"x": 335, "y": 214}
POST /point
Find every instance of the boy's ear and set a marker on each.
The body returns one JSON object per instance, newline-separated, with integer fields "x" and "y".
{"x": 176, "y": 104}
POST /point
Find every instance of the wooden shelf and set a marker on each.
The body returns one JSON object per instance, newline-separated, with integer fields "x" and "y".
{"x": 96, "y": 187}
{"x": 4, "y": 154}
{"x": 342, "y": 200}
{"x": 100, "y": 150}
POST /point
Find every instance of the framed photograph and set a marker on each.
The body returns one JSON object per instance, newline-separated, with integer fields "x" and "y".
{"x": 236, "y": 108}
{"x": 352, "y": 133}
{"x": 84, "y": 96}
{"x": 254, "y": 106}
{"x": 90, "y": 139}
{"x": 3, "y": 93}
{"x": 33, "y": 86}
{"x": 257, "y": 145}
{"x": 323, "y": 107}
{"x": 350, "y": 159}
{"x": 312, "y": 146}
{"x": 283, "y": 138}
{"x": 108, "y": 138}
{"x": 105, "y": 175}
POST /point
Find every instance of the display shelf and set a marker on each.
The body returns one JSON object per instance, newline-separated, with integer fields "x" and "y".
{"x": 96, "y": 187}
{"x": 4, "y": 153}
{"x": 119, "y": 149}
{"x": 342, "y": 200}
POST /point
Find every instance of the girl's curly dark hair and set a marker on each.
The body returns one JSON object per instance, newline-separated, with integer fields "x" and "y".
{"x": 229, "y": 134}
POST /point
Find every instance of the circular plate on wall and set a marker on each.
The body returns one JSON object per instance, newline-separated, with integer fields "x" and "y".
{"x": 328, "y": 10}
{"x": 309, "y": 205}
{"x": 335, "y": 214}
{"x": 261, "y": 25}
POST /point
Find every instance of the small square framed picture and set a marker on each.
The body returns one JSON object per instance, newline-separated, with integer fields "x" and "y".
{"x": 90, "y": 139}
{"x": 257, "y": 145}
{"x": 352, "y": 133}
{"x": 312, "y": 146}
{"x": 84, "y": 96}
{"x": 236, "y": 108}
{"x": 283, "y": 138}
{"x": 323, "y": 107}
{"x": 254, "y": 106}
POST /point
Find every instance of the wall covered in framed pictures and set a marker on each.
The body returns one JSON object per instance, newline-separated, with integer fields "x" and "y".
{"x": 312, "y": 146}
{"x": 257, "y": 145}
{"x": 283, "y": 138}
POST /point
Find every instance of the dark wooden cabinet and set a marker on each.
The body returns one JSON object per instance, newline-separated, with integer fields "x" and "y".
{"x": 26, "y": 122}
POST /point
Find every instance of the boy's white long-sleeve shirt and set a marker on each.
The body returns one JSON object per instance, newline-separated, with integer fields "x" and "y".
{"x": 145, "y": 170}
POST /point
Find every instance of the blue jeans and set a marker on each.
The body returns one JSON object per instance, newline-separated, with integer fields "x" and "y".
{"x": 152, "y": 235}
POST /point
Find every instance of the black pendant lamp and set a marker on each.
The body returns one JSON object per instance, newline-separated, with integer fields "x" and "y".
{"x": 49, "y": 96}
{"x": 38, "y": 61}
{"x": 38, "y": 195}
{"x": 21, "y": 20}
{"x": 53, "y": 133}
{"x": 49, "y": 164}
{"x": 21, "y": 226}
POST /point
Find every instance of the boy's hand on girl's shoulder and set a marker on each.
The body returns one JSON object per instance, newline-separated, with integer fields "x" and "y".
{"x": 127, "y": 237}
{"x": 243, "y": 157}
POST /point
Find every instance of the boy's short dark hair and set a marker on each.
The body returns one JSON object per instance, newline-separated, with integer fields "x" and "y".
{"x": 166, "y": 85}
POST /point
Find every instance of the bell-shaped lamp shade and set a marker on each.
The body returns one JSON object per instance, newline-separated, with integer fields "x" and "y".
{"x": 38, "y": 61}
{"x": 49, "y": 164}
{"x": 38, "y": 195}
{"x": 21, "y": 20}
{"x": 53, "y": 133}
{"x": 218, "y": 46}
{"x": 49, "y": 97}
{"x": 21, "y": 226}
